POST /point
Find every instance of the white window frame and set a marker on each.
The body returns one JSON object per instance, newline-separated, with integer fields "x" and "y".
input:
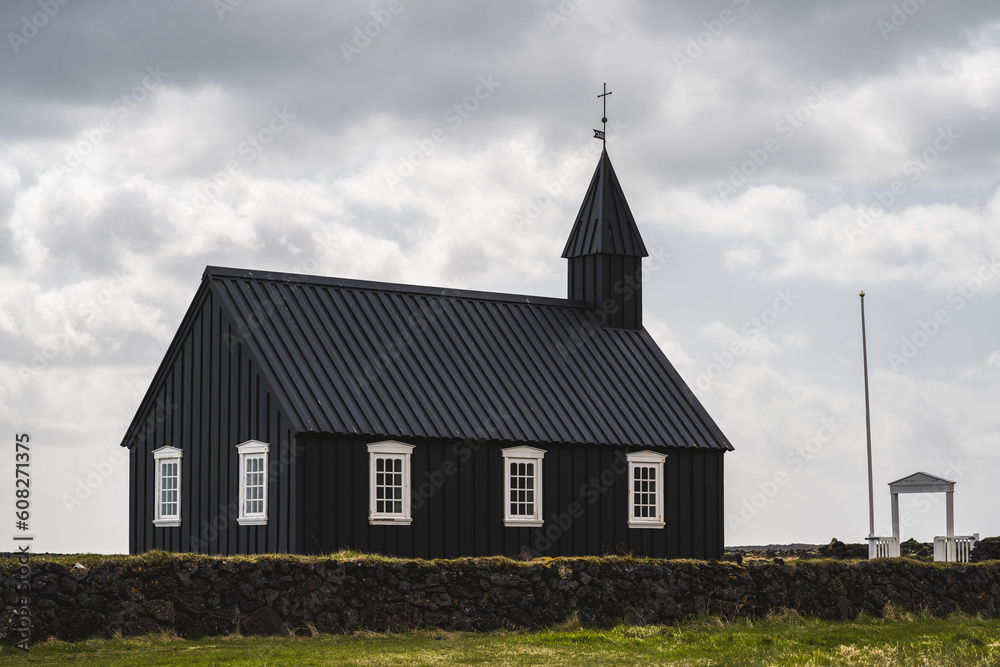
{"x": 646, "y": 459}
{"x": 163, "y": 455}
{"x": 522, "y": 454}
{"x": 390, "y": 449}
{"x": 246, "y": 450}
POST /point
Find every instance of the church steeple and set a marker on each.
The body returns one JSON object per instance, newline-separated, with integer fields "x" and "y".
{"x": 605, "y": 253}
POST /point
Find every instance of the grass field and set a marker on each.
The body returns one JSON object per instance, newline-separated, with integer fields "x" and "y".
{"x": 787, "y": 640}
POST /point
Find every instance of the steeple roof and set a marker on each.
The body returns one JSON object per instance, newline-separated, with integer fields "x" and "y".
{"x": 604, "y": 224}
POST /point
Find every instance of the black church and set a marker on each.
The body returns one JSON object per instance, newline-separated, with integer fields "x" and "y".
{"x": 307, "y": 414}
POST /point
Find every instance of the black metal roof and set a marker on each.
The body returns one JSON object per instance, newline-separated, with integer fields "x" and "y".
{"x": 348, "y": 356}
{"x": 604, "y": 223}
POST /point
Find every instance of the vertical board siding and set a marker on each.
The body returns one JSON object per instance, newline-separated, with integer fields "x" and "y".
{"x": 462, "y": 514}
{"x": 699, "y": 518}
{"x": 207, "y": 399}
{"x": 600, "y": 277}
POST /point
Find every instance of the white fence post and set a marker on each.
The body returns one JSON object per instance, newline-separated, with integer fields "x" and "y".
{"x": 883, "y": 547}
{"x": 954, "y": 549}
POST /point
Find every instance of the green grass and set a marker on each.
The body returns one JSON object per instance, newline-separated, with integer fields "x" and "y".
{"x": 786, "y": 640}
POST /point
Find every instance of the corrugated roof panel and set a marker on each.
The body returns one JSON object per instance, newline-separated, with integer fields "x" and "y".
{"x": 397, "y": 361}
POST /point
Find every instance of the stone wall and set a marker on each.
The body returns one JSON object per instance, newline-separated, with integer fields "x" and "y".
{"x": 986, "y": 549}
{"x": 197, "y": 596}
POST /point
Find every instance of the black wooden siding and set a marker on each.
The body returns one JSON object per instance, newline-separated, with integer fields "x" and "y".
{"x": 464, "y": 515}
{"x": 598, "y": 279}
{"x": 206, "y": 399}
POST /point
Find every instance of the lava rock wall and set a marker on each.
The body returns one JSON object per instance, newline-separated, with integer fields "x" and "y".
{"x": 201, "y": 596}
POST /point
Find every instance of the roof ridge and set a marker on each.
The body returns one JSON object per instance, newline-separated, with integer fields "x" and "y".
{"x": 374, "y": 285}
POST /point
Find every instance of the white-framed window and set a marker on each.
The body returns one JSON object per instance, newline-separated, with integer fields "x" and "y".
{"x": 522, "y": 486}
{"x": 645, "y": 490}
{"x": 389, "y": 483}
{"x": 253, "y": 483}
{"x": 167, "y": 461}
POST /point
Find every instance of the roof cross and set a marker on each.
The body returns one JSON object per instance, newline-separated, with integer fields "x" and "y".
{"x": 600, "y": 134}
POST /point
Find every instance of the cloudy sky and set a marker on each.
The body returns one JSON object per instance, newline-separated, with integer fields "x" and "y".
{"x": 778, "y": 157}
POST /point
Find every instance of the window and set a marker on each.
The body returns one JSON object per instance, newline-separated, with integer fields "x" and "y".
{"x": 645, "y": 491}
{"x": 522, "y": 472}
{"x": 167, "y": 461}
{"x": 389, "y": 484}
{"x": 253, "y": 483}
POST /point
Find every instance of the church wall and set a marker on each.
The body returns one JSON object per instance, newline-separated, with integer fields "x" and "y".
{"x": 457, "y": 496}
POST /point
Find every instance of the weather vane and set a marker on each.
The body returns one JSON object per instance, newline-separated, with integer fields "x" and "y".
{"x": 599, "y": 134}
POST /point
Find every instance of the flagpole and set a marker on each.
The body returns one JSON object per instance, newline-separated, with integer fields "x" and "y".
{"x": 868, "y": 424}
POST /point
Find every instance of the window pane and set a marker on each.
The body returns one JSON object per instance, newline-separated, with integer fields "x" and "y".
{"x": 521, "y": 482}
{"x": 388, "y": 485}
{"x": 253, "y": 484}
{"x": 169, "y": 480}
{"x": 644, "y": 492}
